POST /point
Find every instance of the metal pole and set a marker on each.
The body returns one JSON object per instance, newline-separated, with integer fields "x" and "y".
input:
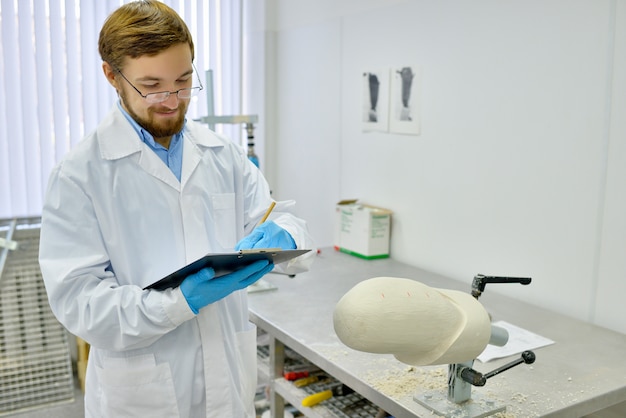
{"x": 5, "y": 251}
{"x": 210, "y": 104}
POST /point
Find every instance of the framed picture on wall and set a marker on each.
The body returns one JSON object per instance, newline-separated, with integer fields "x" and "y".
{"x": 375, "y": 100}
{"x": 404, "y": 108}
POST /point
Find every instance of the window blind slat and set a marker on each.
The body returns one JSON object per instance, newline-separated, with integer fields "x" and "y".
{"x": 41, "y": 145}
{"x": 30, "y": 108}
{"x": 75, "y": 105}
{"x": 5, "y": 184}
{"x": 88, "y": 62}
{"x": 60, "y": 129}
{"x": 14, "y": 159}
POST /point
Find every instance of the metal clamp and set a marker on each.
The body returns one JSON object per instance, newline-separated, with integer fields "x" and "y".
{"x": 461, "y": 376}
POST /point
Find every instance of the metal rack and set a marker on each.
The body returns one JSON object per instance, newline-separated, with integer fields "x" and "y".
{"x": 277, "y": 356}
{"x": 212, "y": 119}
{"x": 35, "y": 360}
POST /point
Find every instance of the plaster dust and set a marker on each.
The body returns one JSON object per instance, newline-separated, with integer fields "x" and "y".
{"x": 402, "y": 384}
{"x": 400, "y": 381}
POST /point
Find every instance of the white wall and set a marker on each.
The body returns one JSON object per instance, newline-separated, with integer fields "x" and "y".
{"x": 521, "y": 162}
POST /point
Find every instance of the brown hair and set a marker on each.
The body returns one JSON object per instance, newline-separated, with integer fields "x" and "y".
{"x": 139, "y": 28}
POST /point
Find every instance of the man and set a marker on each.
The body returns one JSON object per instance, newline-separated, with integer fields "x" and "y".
{"x": 145, "y": 194}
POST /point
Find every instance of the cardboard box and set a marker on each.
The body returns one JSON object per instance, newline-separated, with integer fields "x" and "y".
{"x": 362, "y": 230}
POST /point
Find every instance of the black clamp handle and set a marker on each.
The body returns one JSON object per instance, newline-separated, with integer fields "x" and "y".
{"x": 480, "y": 281}
{"x": 476, "y": 378}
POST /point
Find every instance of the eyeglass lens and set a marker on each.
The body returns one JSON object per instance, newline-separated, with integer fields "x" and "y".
{"x": 164, "y": 95}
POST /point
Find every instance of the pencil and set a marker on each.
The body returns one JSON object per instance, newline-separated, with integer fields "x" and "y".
{"x": 267, "y": 214}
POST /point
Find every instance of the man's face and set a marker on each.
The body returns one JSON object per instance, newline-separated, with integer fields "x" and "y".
{"x": 170, "y": 70}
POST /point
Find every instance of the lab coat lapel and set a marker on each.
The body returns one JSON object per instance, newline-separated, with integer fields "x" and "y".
{"x": 117, "y": 139}
{"x": 192, "y": 156}
{"x": 152, "y": 164}
{"x": 197, "y": 138}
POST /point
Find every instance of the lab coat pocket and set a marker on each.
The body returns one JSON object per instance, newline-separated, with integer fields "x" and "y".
{"x": 137, "y": 387}
{"x": 224, "y": 219}
{"x": 247, "y": 366}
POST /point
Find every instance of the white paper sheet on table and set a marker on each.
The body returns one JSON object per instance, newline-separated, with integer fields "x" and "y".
{"x": 519, "y": 340}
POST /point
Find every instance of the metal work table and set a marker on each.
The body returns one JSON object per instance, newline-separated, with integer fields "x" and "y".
{"x": 583, "y": 372}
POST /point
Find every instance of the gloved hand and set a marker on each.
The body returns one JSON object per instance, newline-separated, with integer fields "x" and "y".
{"x": 203, "y": 288}
{"x": 267, "y": 235}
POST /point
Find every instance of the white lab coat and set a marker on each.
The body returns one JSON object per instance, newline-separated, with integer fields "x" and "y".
{"x": 115, "y": 220}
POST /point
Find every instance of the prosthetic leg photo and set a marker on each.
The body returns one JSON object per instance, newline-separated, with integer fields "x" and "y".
{"x": 406, "y": 75}
{"x": 374, "y": 86}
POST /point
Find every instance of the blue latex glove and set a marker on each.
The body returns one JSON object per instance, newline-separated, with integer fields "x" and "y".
{"x": 267, "y": 235}
{"x": 203, "y": 288}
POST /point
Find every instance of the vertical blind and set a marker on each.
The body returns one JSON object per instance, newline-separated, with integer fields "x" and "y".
{"x": 53, "y": 91}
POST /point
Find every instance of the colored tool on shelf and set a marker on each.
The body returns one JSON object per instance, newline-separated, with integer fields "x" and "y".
{"x": 296, "y": 375}
{"x": 299, "y": 371}
{"x": 295, "y": 372}
{"x": 338, "y": 390}
{"x": 305, "y": 381}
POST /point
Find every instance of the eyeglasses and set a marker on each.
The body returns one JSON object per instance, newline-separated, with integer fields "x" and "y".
{"x": 162, "y": 96}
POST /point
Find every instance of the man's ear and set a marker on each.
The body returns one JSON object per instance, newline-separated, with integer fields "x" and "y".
{"x": 109, "y": 73}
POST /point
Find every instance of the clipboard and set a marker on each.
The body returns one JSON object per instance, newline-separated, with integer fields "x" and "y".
{"x": 225, "y": 263}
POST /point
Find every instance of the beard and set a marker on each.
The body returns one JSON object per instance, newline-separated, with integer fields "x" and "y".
{"x": 158, "y": 129}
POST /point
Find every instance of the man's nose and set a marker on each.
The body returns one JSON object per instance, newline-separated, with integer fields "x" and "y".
{"x": 171, "y": 101}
